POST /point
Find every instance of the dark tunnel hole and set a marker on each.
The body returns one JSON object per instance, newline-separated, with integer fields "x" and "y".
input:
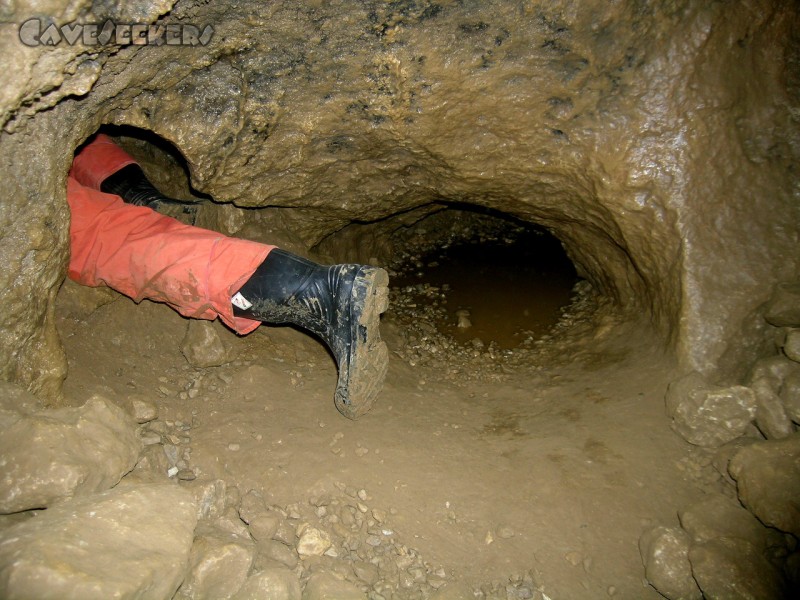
{"x": 468, "y": 274}
{"x": 504, "y": 281}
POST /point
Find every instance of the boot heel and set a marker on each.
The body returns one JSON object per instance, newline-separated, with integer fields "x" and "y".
{"x": 362, "y": 378}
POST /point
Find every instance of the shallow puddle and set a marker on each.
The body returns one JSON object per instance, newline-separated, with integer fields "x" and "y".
{"x": 502, "y": 292}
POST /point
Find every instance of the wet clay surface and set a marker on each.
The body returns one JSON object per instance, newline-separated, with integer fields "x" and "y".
{"x": 552, "y": 469}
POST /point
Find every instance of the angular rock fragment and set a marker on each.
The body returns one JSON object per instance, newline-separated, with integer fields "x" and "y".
{"x": 326, "y": 586}
{"x": 251, "y": 506}
{"x": 709, "y": 416}
{"x": 732, "y": 568}
{"x": 231, "y": 522}
{"x": 141, "y": 409}
{"x": 681, "y": 388}
{"x": 210, "y": 495}
{"x": 665, "y": 554}
{"x": 129, "y": 542}
{"x": 278, "y": 552}
{"x": 313, "y": 542}
{"x": 456, "y": 591}
{"x": 77, "y": 301}
{"x": 790, "y": 396}
{"x": 275, "y": 583}
{"x": 774, "y": 369}
{"x": 218, "y": 565}
{"x": 724, "y": 454}
{"x": 791, "y": 347}
{"x": 264, "y": 526}
{"x": 16, "y": 402}
{"x": 783, "y": 309}
{"x": 55, "y": 454}
{"x": 771, "y": 417}
{"x": 202, "y": 345}
{"x": 718, "y": 516}
{"x": 767, "y": 476}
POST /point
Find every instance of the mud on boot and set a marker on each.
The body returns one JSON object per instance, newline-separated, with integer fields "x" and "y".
{"x": 341, "y": 304}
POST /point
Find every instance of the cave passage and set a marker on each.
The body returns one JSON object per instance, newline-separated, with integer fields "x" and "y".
{"x": 512, "y": 288}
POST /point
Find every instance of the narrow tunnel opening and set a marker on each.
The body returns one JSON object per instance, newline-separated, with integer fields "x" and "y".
{"x": 504, "y": 282}
{"x": 474, "y": 292}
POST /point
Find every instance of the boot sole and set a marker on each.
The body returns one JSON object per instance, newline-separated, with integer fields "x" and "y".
{"x": 368, "y": 357}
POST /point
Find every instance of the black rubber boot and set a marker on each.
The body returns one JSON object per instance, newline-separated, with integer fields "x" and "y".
{"x": 341, "y": 304}
{"x": 131, "y": 184}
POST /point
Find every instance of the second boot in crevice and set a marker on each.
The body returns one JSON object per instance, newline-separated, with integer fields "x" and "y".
{"x": 131, "y": 184}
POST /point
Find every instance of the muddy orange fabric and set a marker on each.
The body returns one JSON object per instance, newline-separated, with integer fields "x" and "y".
{"x": 97, "y": 160}
{"x": 144, "y": 254}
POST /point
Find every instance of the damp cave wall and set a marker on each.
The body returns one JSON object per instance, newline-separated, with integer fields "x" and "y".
{"x": 658, "y": 140}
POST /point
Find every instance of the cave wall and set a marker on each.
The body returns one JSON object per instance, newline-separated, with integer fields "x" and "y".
{"x": 658, "y": 140}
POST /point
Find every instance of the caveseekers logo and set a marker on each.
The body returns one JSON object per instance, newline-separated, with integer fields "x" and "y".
{"x": 38, "y": 32}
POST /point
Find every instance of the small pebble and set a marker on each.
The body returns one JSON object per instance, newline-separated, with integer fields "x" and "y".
{"x": 573, "y": 558}
{"x": 505, "y": 532}
{"x": 149, "y": 439}
{"x": 186, "y": 475}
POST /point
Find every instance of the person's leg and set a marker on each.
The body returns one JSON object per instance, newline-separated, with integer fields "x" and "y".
{"x": 203, "y": 274}
{"x": 144, "y": 254}
{"x": 341, "y": 304}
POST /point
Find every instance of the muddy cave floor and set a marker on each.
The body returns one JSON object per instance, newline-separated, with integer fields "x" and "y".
{"x": 554, "y": 468}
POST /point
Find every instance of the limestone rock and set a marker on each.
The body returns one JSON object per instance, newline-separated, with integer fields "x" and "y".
{"x": 665, "y": 554}
{"x": 313, "y": 542}
{"x": 153, "y": 464}
{"x": 326, "y": 586}
{"x": 129, "y": 542}
{"x": 141, "y": 409}
{"x": 771, "y": 417}
{"x": 791, "y": 347}
{"x": 454, "y": 591}
{"x": 731, "y": 568}
{"x": 790, "y": 396}
{"x": 366, "y": 572}
{"x": 77, "y": 301}
{"x": 218, "y": 566}
{"x": 279, "y": 552}
{"x": 202, "y": 345}
{"x": 210, "y": 496}
{"x": 783, "y": 309}
{"x": 709, "y": 416}
{"x": 718, "y": 516}
{"x": 15, "y": 402}
{"x": 681, "y": 388}
{"x": 774, "y": 370}
{"x": 767, "y": 475}
{"x": 264, "y": 526}
{"x": 230, "y": 522}
{"x": 273, "y": 583}
{"x": 251, "y": 506}
{"x": 55, "y": 454}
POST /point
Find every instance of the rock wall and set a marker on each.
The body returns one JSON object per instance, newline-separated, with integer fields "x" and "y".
{"x": 657, "y": 140}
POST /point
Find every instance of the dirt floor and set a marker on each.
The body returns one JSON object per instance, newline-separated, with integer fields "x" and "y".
{"x": 537, "y": 469}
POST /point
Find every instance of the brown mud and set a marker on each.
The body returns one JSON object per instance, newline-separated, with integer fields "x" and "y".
{"x": 537, "y": 468}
